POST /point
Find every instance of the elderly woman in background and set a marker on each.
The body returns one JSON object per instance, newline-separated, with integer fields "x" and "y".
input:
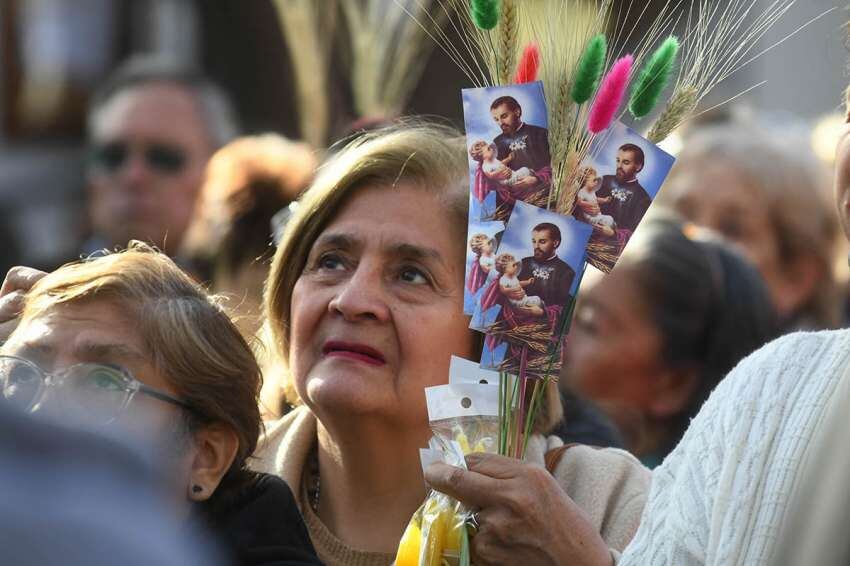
{"x": 654, "y": 337}
{"x": 127, "y": 341}
{"x": 364, "y": 301}
{"x": 770, "y": 200}
{"x": 228, "y": 243}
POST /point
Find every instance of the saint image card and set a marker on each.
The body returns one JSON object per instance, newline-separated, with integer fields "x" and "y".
{"x": 522, "y": 311}
{"x": 507, "y": 139}
{"x": 482, "y": 241}
{"x": 615, "y": 184}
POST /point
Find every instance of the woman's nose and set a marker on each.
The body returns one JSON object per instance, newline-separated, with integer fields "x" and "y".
{"x": 362, "y": 296}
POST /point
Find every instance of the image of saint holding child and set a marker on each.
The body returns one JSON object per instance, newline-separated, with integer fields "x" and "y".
{"x": 516, "y": 165}
{"x": 532, "y": 294}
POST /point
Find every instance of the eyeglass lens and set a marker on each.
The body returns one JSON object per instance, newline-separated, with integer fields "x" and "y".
{"x": 159, "y": 157}
{"x": 91, "y": 392}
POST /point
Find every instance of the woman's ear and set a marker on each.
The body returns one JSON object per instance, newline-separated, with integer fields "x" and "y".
{"x": 215, "y": 448}
{"x": 672, "y": 391}
{"x": 798, "y": 281}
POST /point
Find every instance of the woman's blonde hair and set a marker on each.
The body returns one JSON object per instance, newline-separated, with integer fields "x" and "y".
{"x": 187, "y": 335}
{"x": 791, "y": 185}
{"x": 429, "y": 156}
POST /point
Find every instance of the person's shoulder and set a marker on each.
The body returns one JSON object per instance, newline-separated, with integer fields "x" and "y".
{"x": 532, "y": 129}
{"x": 609, "y": 484}
{"x": 795, "y": 365}
{"x": 799, "y": 350}
{"x": 582, "y": 466}
{"x": 289, "y": 433}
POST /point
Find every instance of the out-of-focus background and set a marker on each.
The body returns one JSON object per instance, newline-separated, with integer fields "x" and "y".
{"x": 54, "y": 52}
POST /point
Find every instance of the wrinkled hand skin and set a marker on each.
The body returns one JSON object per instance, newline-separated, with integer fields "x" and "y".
{"x": 19, "y": 280}
{"x": 524, "y": 515}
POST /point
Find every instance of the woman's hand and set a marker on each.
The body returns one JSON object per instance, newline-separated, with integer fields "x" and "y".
{"x": 524, "y": 516}
{"x": 18, "y": 281}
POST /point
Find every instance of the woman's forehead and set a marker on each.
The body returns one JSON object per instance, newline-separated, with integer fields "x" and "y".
{"x": 401, "y": 214}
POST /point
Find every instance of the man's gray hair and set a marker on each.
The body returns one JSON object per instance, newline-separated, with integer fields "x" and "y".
{"x": 216, "y": 108}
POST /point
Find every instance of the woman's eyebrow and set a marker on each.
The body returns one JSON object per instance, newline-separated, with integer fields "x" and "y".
{"x": 106, "y": 352}
{"x": 336, "y": 240}
{"x": 411, "y": 251}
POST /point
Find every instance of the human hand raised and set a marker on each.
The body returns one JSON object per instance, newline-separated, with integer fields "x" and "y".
{"x": 19, "y": 280}
{"x": 524, "y": 516}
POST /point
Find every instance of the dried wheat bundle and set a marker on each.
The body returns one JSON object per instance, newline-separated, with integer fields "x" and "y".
{"x": 306, "y": 26}
{"x": 389, "y": 46}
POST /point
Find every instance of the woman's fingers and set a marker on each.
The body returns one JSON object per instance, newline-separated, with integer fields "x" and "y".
{"x": 20, "y": 279}
{"x": 11, "y": 305}
{"x": 472, "y": 488}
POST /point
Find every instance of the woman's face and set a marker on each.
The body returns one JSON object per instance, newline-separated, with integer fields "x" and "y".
{"x": 842, "y": 180}
{"x": 377, "y": 311}
{"x": 718, "y": 198}
{"x": 613, "y": 349}
{"x": 98, "y": 332}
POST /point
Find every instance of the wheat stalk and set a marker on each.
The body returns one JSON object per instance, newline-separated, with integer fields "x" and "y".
{"x": 306, "y": 24}
{"x": 389, "y": 48}
{"x": 507, "y": 40}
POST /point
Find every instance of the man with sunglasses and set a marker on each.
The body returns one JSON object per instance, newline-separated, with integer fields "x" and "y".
{"x": 152, "y": 128}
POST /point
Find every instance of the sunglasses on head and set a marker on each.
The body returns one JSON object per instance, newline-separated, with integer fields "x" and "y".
{"x": 162, "y": 158}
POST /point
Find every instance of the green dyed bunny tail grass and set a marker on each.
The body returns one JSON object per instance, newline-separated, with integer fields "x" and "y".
{"x": 485, "y": 13}
{"x": 653, "y": 78}
{"x": 589, "y": 69}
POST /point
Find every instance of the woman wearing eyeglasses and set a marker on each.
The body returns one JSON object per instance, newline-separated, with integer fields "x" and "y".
{"x": 128, "y": 341}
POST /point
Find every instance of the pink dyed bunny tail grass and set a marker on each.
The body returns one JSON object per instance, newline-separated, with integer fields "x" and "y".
{"x": 610, "y": 95}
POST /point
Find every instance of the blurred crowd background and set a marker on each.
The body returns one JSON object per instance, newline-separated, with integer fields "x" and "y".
{"x": 53, "y": 55}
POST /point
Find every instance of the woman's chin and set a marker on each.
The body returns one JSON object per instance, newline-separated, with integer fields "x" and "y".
{"x": 348, "y": 395}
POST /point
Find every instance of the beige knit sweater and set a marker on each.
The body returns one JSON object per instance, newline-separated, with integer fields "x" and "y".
{"x": 609, "y": 485}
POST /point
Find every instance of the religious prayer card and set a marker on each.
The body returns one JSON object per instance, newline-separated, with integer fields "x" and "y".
{"x": 481, "y": 243}
{"x": 507, "y": 139}
{"x": 525, "y": 304}
{"x": 616, "y": 183}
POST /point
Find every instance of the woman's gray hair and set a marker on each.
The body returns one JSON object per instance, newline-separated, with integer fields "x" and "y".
{"x": 216, "y": 108}
{"x": 791, "y": 184}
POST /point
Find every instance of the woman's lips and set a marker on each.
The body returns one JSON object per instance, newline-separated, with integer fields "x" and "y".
{"x": 353, "y": 351}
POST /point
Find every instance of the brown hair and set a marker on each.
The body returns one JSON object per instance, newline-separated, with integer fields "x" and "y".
{"x": 190, "y": 339}
{"x": 247, "y": 182}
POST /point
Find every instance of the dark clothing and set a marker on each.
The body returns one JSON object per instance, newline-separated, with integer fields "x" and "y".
{"x": 529, "y": 145}
{"x": 262, "y": 526}
{"x": 81, "y": 498}
{"x": 628, "y": 204}
{"x": 552, "y": 280}
{"x": 584, "y": 423}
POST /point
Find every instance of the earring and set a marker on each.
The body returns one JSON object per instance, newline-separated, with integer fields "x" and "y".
{"x": 197, "y": 489}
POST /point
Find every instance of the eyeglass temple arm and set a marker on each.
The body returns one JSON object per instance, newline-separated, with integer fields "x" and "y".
{"x": 164, "y": 397}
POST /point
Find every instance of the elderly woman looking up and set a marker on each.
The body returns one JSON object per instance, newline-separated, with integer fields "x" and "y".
{"x": 127, "y": 341}
{"x": 770, "y": 200}
{"x": 365, "y": 300}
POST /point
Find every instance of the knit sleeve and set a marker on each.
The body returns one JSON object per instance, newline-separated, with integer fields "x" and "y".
{"x": 718, "y": 497}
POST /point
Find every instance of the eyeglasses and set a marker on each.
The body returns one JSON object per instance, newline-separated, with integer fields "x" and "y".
{"x": 95, "y": 393}
{"x": 162, "y": 158}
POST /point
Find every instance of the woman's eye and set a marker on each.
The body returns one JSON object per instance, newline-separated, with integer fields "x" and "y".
{"x": 414, "y": 276}
{"x": 331, "y": 262}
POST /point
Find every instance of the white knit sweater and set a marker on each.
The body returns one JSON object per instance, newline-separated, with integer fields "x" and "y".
{"x": 720, "y": 496}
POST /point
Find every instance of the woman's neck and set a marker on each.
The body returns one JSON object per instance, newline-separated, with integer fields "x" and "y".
{"x": 370, "y": 483}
